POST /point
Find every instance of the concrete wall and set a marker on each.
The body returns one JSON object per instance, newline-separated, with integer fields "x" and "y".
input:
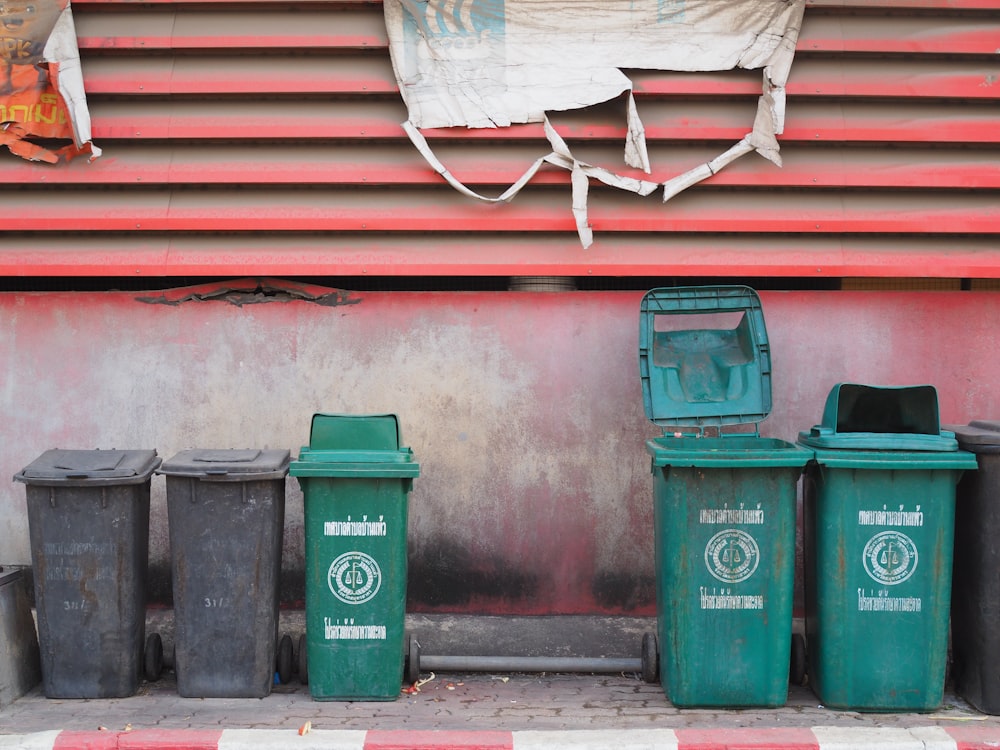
{"x": 524, "y": 410}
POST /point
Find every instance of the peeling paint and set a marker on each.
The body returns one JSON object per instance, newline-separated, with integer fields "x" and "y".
{"x": 262, "y": 292}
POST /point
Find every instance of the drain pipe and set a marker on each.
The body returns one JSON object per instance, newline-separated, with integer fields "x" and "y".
{"x": 647, "y": 664}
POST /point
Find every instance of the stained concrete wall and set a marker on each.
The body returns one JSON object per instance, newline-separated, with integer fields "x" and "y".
{"x": 523, "y": 409}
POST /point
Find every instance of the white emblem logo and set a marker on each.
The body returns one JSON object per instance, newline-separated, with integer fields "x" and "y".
{"x": 732, "y": 556}
{"x": 890, "y": 557}
{"x": 354, "y": 578}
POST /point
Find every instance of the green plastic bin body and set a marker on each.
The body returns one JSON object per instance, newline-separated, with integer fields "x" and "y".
{"x": 878, "y": 532}
{"x": 724, "y": 511}
{"x": 724, "y": 506}
{"x": 355, "y": 552}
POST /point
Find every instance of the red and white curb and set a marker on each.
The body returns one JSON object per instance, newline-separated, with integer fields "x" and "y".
{"x": 814, "y": 738}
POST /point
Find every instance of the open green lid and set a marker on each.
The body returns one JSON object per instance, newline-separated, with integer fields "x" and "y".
{"x": 869, "y": 417}
{"x": 704, "y": 358}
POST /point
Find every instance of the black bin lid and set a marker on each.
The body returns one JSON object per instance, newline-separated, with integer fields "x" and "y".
{"x": 63, "y": 466}
{"x": 228, "y": 464}
{"x": 979, "y": 436}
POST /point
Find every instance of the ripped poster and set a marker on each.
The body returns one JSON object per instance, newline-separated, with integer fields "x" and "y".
{"x": 492, "y": 63}
{"x": 42, "y": 100}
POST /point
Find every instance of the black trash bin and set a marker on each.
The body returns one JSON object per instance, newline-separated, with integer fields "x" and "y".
{"x": 975, "y": 591}
{"x": 226, "y": 512}
{"x": 88, "y": 522}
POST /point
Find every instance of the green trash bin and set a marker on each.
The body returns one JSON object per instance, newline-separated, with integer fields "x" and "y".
{"x": 879, "y": 519}
{"x": 355, "y": 477}
{"x": 724, "y": 505}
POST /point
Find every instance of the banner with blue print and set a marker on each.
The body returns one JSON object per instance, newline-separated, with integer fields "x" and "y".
{"x": 493, "y": 63}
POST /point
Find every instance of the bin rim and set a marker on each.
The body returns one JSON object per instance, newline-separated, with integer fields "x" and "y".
{"x": 894, "y": 459}
{"x": 773, "y": 452}
{"x": 825, "y": 438}
{"x": 348, "y": 463}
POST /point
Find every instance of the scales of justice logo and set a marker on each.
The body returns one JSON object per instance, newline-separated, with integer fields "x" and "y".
{"x": 732, "y": 556}
{"x": 354, "y": 578}
{"x": 890, "y": 557}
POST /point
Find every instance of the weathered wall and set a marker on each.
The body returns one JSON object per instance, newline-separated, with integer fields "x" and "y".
{"x": 524, "y": 410}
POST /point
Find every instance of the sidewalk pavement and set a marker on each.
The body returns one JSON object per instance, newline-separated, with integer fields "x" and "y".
{"x": 481, "y": 711}
{"x": 478, "y": 712}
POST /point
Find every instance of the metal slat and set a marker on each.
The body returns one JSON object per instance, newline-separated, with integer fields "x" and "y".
{"x": 406, "y": 254}
{"x": 724, "y": 122}
{"x": 538, "y": 210}
{"x": 399, "y": 164}
{"x": 273, "y": 29}
{"x": 366, "y": 74}
{"x": 362, "y": 27}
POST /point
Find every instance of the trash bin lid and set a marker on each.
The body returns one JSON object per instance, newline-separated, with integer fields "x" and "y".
{"x": 868, "y": 417}
{"x": 355, "y": 432}
{"x": 704, "y": 358}
{"x": 60, "y": 466}
{"x": 979, "y": 436}
{"x": 228, "y": 464}
{"x": 355, "y": 445}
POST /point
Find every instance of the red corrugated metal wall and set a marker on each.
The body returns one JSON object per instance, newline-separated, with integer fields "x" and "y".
{"x": 247, "y": 137}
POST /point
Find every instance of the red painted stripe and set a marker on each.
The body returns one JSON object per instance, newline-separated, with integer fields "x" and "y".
{"x": 291, "y": 165}
{"x": 68, "y": 740}
{"x": 275, "y": 41}
{"x": 211, "y": 77}
{"x": 746, "y": 739}
{"x": 551, "y": 255}
{"x": 140, "y": 739}
{"x": 537, "y": 210}
{"x": 975, "y": 738}
{"x": 291, "y": 122}
{"x": 438, "y": 740}
{"x": 170, "y": 739}
{"x": 977, "y": 42}
{"x": 150, "y": 81}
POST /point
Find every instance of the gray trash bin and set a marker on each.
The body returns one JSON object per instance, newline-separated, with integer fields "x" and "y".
{"x": 226, "y": 511}
{"x": 88, "y": 521}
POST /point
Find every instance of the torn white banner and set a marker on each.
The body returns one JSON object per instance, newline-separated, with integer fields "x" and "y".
{"x": 491, "y": 63}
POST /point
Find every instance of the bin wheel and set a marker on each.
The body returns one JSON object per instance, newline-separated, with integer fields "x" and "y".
{"x": 650, "y": 659}
{"x": 152, "y": 662}
{"x": 797, "y": 665}
{"x": 303, "y": 660}
{"x": 412, "y": 660}
{"x": 284, "y": 659}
